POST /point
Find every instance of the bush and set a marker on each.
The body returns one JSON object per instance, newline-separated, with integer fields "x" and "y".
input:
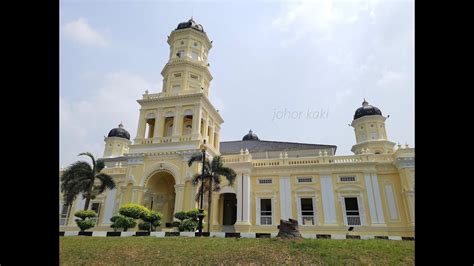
{"x": 182, "y": 215}
{"x": 122, "y": 222}
{"x": 85, "y": 224}
{"x": 144, "y": 226}
{"x": 82, "y": 223}
{"x": 188, "y": 220}
{"x": 85, "y": 214}
{"x": 188, "y": 225}
{"x": 134, "y": 211}
{"x": 153, "y": 218}
{"x": 176, "y": 223}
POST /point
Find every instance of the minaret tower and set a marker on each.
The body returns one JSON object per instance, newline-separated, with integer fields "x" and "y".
{"x": 369, "y": 129}
{"x": 181, "y": 115}
{"x": 116, "y": 142}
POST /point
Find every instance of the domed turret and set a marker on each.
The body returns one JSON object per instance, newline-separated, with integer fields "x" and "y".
{"x": 366, "y": 109}
{"x": 250, "y": 136}
{"x": 369, "y": 129}
{"x": 116, "y": 143}
{"x": 190, "y": 24}
{"x": 119, "y": 132}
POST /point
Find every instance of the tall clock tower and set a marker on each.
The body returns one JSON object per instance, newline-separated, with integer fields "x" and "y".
{"x": 181, "y": 115}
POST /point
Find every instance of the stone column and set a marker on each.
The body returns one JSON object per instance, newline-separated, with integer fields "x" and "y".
{"x": 141, "y": 125}
{"x": 178, "y": 202}
{"x": 328, "y": 200}
{"x": 196, "y": 122}
{"x": 374, "y": 199}
{"x": 243, "y": 202}
{"x": 178, "y": 122}
{"x": 215, "y": 210}
{"x": 159, "y": 123}
{"x": 285, "y": 198}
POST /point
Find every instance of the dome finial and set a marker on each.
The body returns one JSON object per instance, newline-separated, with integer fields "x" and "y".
{"x": 364, "y": 103}
{"x": 120, "y": 125}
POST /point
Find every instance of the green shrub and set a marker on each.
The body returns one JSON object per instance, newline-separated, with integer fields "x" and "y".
{"x": 134, "y": 211}
{"x": 122, "y": 222}
{"x": 85, "y": 214}
{"x": 188, "y": 225}
{"x": 144, "y": 226}
{"x": 153, "y": 218}
{"x": 182, "y": 215}
{"x": 85, "y": 224}
{"x": 176, "y": 223}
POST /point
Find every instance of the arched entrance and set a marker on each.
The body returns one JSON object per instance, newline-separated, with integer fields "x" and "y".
{"x": 160, "y": 195}
{"x": 228, "y": 207}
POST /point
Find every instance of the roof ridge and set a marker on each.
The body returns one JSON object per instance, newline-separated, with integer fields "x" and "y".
{"x": 280, "y": 142}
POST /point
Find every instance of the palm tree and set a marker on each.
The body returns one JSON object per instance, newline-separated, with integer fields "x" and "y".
{"x": 79, "y": 178}
{"x": 212, "y": 178}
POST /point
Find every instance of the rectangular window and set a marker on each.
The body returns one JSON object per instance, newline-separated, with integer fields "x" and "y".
{"x": 265, "y": 211}
{"x": 348, "y": 178}
{"x": 265, "y": 181}
{"x": 305, "y": 179}
{"x": 307, "y": 211}
{"x": 175, "y": 88}
{"x": 194, "y": 55}
{"x": 181, "y": 54}
{"x": 352, "y": 211}
{"x": 177, "y": 75}
{"x": 64, "y": 214}
{"x": 96, "y": 207}
{"x": 194, "y": 77}
{"x": 374, "y": 135}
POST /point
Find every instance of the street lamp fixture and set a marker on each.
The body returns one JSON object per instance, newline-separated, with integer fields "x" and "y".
{"x": 201, "y": 210}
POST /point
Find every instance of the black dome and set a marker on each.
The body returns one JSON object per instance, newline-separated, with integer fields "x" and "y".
{"x": 366, "y": 109}
{"x": 250, "y": 136}
{"x": 119, "y": 132}
{"x": 190, "y": 24}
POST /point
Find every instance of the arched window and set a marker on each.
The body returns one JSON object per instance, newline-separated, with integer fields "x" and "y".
{"x": 150, "y": 125}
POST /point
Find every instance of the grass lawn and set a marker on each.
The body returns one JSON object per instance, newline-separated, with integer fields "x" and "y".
{"x": 182, "y": 250}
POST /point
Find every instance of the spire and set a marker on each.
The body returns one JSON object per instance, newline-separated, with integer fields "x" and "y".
{"x": 364, "y": 103}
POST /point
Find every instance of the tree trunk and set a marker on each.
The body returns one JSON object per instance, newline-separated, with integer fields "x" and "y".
{"x": 86, "y": 205}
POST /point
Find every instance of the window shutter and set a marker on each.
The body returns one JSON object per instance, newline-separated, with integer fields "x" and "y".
{"x": 343, "y": 207}
{"x": 298, "y": 208}
{"x": 257, "y": 220}
{"x": 360, "y": 204}
{"x": 315, "y": 212}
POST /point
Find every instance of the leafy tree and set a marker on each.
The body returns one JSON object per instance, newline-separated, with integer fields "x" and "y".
{"x": 79, "y": 178}
{"x": 119, "y": 221}
{"x": 84, "y": 223}
{"x": 136, "y": 211}
{"x": 213, "y": 170}
{"x": 188, "y": 220}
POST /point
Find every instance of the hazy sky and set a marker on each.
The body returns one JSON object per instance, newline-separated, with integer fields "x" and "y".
{"x": 289, "y": 70}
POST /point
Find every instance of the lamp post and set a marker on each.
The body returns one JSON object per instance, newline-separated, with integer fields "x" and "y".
{"x": 201, "y": 210}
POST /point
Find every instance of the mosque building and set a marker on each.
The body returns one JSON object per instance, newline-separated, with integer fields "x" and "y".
{"x": 371, "y": 190}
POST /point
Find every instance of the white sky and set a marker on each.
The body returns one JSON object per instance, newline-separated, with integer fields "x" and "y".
{"x": 268, "y": 58}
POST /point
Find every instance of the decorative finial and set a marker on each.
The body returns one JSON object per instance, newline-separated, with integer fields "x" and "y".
{"x": 146, "y": 92}
{"x": 120, "y": 125}
{"x": 364, "y": 103}
{"x": 250, "y": 131}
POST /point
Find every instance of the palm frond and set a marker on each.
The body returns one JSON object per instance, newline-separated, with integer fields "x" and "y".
{"x": 228, "y": 173}
{"x": 89, "y": 155}
{"x": 196, "y": 157}
{"x": 99, "y": 166}
{"x": 106, "y": 182}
